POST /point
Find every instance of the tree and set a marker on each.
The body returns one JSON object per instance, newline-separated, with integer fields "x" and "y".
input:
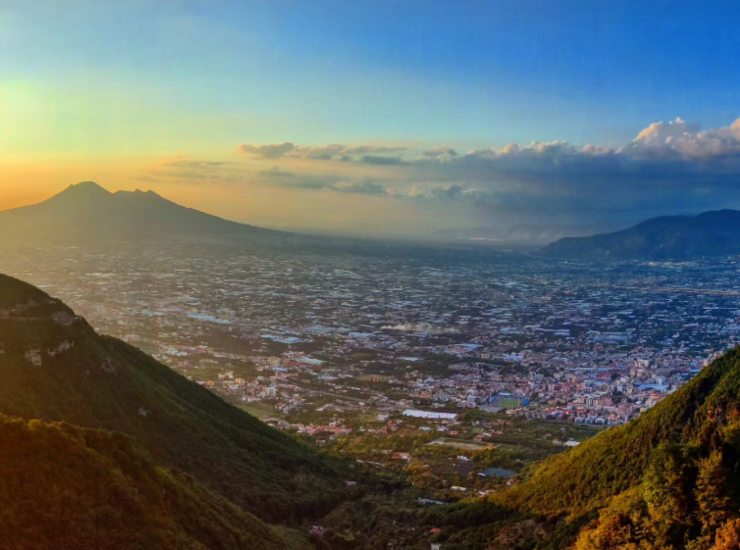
{"x": 715, "y": 505}
{"x": 668, "y": 492}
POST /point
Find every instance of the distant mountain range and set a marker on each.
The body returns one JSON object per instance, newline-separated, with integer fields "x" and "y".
{"x": 194, "y": 467}
{"x": 87, "y": 212}
{"x": 715, "y": 233}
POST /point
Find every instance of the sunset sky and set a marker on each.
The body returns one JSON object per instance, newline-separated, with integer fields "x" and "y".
{"x": 385, "y": 118}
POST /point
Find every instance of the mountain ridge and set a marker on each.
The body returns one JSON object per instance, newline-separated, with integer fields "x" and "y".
{"x": 87, "y": 212}
{"x": 709, "y": 234}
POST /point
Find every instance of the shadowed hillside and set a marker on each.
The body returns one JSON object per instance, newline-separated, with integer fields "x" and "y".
{"x": 68, "y": 487}
{"x": 55, "y": 367}
{"x": 666, "y": 238}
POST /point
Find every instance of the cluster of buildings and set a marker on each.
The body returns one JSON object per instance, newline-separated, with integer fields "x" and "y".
{"x": 317, "y": 335}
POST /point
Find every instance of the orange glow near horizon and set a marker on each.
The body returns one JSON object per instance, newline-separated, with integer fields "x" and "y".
{"x": 254, "y": 202}
{"x": 23, "y": 183}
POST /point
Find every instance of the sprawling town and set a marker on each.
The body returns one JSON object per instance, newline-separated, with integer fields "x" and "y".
{"x": 333, "y": 343}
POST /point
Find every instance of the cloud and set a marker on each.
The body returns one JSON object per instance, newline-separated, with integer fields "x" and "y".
{"x": 673, "y": 154}
{"x": 183, "y": 167}
{"x": 668, "y": 167}
{"x": 281, "y": 178}
{"x": 332, "y": 182}
{"x": 364, "y": 187}
{"x": 381, "y": 160}
{"x": 679, "y": 140}
{"x": 333, "y": 151}
{"x": 441, "y": 152}
{"x": 272, "y": 150}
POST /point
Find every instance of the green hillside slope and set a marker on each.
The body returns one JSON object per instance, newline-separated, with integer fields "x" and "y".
{"x": 53, "y": 366}
{"x": 615, "y": 459}
{"x": 669, "y": 479}
{"x": 68, "y": 487}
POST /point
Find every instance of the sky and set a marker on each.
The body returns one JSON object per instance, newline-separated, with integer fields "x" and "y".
{"x": 517, "y": 119}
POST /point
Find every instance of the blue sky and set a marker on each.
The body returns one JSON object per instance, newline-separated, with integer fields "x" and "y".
{"x": 87, "y": 80}
{"x": 489, "y": 72}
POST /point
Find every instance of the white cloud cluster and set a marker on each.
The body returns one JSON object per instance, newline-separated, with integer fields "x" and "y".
{"x": 677, "y": 139}
{"x": 672, "y": 140}
{"x": 669, "y": 167}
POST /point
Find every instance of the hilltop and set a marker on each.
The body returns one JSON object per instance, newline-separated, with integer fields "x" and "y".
{"x": 87, "y": 212}
{"x": 715, "y": 233}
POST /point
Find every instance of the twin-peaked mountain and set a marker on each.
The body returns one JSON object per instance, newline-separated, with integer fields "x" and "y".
{"x": 190, "y": 467}
{"x": 715, "y": 233}
{"x": 87, "y": 212}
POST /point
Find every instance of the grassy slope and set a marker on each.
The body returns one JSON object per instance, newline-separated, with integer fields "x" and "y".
{"x": 101, "y": 491}
{"x": 580, "y": 480}
{"x": 609, "y": 476}
{"x": 104, "y": 383}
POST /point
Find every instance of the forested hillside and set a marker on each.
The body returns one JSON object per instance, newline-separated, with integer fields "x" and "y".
{"x": 68, "y": 487}
{"x": 668, "y": 479}
{"x": 55, "y": 367}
